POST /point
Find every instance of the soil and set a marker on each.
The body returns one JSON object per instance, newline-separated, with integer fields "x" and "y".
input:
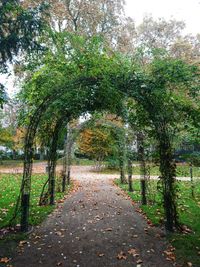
{"x": 97, "y": 225}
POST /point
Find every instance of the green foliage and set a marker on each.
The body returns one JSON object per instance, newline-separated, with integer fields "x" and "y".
{"x": 19, "y": 31}
{"x": 6, "y": 137}
{"x": 84, "y": 80}
{"x": 3, "y": 95}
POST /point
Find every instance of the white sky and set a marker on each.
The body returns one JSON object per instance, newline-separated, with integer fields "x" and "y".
{"x": 186, "y": 10}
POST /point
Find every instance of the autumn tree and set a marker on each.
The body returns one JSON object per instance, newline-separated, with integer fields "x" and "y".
{"x": 166, "y": 36}
{"x": 11, "y": 135}
{"x": 96, "y": 143}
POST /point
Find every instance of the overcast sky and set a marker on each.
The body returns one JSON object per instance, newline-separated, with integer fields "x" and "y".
{"x": 187, "y": 10}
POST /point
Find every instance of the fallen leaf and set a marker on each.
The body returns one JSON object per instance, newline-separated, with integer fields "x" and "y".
{"x": 133, "y": 252}
{"x": 189, "y": 264}
{"x": 108, "y": 229}
{"x": 170, "y": 255}
{"x": 139, "y": 261}
{"x": 149, "y": 223}
{"x": 121, "y": 256}
{"x": 21, "y": 243}
{"x": 4, "y": 260}
{"x": 157, "y": 236}
{"x": 101, "y": 254}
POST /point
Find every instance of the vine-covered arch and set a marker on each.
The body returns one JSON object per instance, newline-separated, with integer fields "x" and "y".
{"x": 90, "y": 78}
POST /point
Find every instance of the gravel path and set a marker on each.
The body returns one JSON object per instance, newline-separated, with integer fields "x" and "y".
{"x": 81, "y": 171}
{"x": 96, "y": 226}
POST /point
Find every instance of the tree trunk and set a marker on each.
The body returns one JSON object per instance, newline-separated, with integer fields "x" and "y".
{"x": 69, "y": 154}
{"x": 52, "y": 162}
{"x": 52, "y": 174}
{"x": 68, "y": 176}
{"x": 122, "y": 159}
{"x": 192, "y": 180}
{"x": 25, "y": 204}
{"x": 64, "y": 170}
{"x": 14, "y": 154}
{"x": 168, "y": 176}
{"x": 122, "y": 170}
{"x": 26, "y": 181}
{"x": 130, "y": 173}
{"x": 141, "y": 157}
{"x": 42, "y": 153}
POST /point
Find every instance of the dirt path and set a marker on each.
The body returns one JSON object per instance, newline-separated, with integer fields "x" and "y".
{"x": 81, "y": 171}
{"x": 93, "y": 226}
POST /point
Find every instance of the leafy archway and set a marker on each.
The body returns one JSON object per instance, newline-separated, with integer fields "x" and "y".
{"x": 88, "y": 78}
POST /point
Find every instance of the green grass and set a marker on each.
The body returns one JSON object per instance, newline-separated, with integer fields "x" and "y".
{"x": 83, "y": 162}
{"x": 19, "y": 163}
{"x": 187, "y": 245}
{"x": 182, "y": 171}
{"x": 15, "y": 163}
{"x": 10, "y": 186}
{"x": 11, "y": 163}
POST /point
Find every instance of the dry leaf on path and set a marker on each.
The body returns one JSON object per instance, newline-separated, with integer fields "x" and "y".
{"x": 121, "y": 256}
{"x": 108, "y": 229}
{"x": 101, "y": 254}
{"x": 21, "y": 243}
{"x": 4, "y": 260}
{"x": 170, "y": 255}
{"x": 133, "y": 252}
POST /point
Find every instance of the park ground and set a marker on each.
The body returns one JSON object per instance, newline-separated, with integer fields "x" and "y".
{"x": 97, "y": 224}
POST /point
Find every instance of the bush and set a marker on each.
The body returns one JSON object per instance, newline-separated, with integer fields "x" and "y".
{"x": 112, "y": 163}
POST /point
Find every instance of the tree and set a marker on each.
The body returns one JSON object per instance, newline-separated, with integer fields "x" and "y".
{"x": 19, "y": 30}
{"x": 96, "y": 143}
{"x": 11, "y": 136}
{"x": 158, "y": 33}
{"x": 167, "y": 36}
{"x": 84, "y": 17}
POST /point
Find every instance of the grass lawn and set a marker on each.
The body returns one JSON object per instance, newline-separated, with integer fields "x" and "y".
{"x": 187, "y": 245}
{"x": 10, "y": 186}
{"x": 19, "y": 163}
{"x": 15, "y": 163}
{"x": 182, "y": 171}
{"x": 11, "y": 163}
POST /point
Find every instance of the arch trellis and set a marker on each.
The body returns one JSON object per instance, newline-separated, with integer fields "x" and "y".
{"x": 62, "y": 103}
{"x": 94, "y": 80}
